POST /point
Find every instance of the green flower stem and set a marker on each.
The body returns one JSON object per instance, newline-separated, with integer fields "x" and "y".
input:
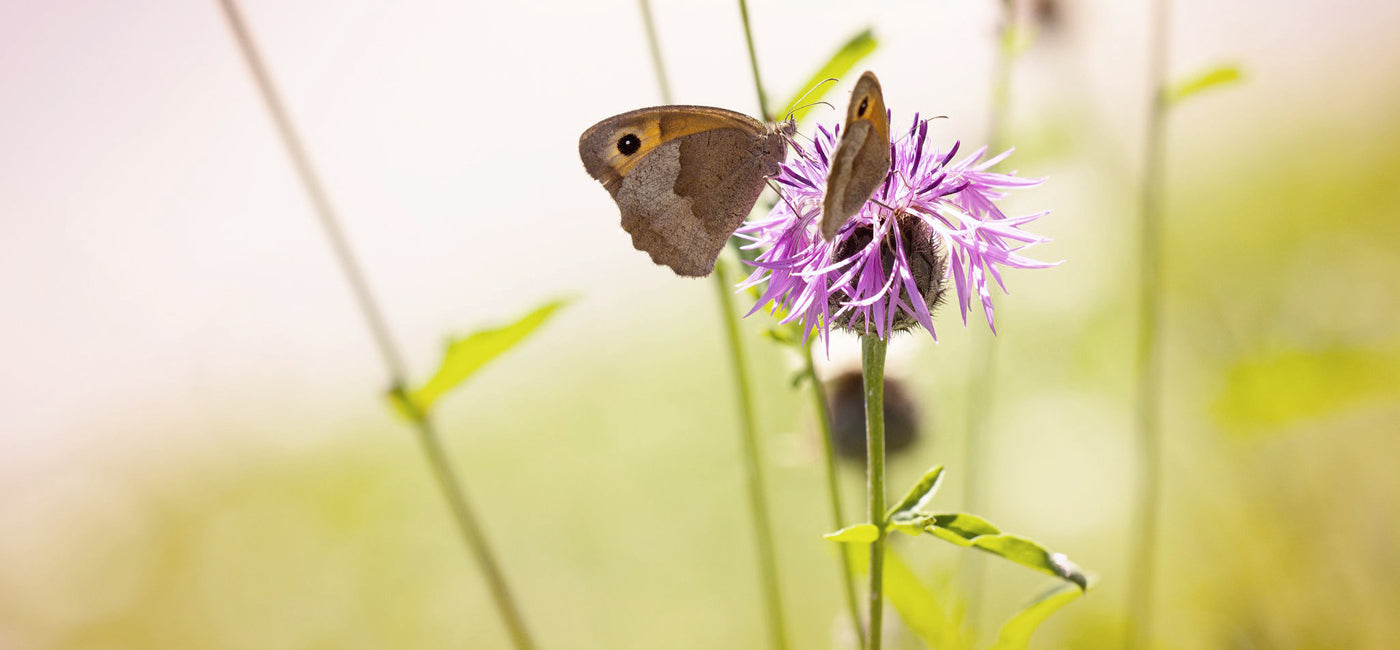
{"x": 872, "y": 365}
{"x": 981, "y": 391}
{"x": 466, "y": 521}
{"x": 753, "y": 62}
{"x": 654, "y": 46}
{"x": 374, "y": 318}
{"x": 1149, "y": 356}
{"x": 1001, "y": 74}
{"x": 833, "y": 488}
{"x": 756, "y": 494}
{"x": 753, "y": 468}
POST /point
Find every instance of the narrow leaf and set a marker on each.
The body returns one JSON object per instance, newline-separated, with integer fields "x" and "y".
{"x": 1027, "y": 553}
{"x": 965, "y": 525}
{"x": 799, "y": 377}
{"x": 467, "y": 355}
{"x": 841, "y": 62}
{"x": 910, "y": 524}
{"x": 857, "y": 534}
{"x": 781, "y": 334}
{"x": 1219, "y": 75}
{"x": 970, "y": 530}
{"x": 1016, "y": 632}
{"x": 917, "y": 605}
{"x": 918, "y": 496}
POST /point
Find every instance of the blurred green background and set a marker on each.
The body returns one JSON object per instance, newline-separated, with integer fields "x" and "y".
{"x": 196, "y": 451}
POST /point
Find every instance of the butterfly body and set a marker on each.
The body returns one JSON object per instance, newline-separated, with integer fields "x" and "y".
{"x": 862, "y": 157}
{"x": 684, "y": 177}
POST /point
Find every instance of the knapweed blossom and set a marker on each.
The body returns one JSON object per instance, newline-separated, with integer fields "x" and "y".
{"x": 931, "y": 220}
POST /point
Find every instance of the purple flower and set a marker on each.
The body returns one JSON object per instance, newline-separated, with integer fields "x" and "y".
{"x": 885, "y": 271}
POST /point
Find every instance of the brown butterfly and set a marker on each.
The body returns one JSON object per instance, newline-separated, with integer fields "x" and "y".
{"x": 862, "y": 156}
{"x": 685, "y": 177}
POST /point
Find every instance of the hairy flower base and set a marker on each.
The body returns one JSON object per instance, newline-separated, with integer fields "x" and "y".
{"x": 925, "y": 261}
{"x": 932, "y": 220}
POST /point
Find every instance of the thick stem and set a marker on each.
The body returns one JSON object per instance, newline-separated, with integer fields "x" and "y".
{"x": 1148, "y": 353}
{"x": 872, "y": 357}
{"x": 833, "y": 489}
{"x": 753, "y": 468}
{"x": 374, "y": 318}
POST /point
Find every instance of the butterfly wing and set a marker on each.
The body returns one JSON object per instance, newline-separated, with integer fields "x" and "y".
{"x": 862, "y": 156}
{"x": 684, "y": 177}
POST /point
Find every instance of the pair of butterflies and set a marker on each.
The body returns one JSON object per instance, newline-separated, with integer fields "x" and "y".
{"x": 686, "y": 177}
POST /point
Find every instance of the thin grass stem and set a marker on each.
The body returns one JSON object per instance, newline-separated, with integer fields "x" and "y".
{"x": 981, "y": 390}
{"x": 1149, "y": 378}
{"x": 654, "y": 46}
{"x": 753, "y": 63}
{"x": 431, "y": 444}
{"x": 753, "y": 467}
{"x": 833, "y": 489}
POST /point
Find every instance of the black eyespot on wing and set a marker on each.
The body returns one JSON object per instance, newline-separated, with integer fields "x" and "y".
{"x": 864, "y": 105}
{"x": 629, "y": 144}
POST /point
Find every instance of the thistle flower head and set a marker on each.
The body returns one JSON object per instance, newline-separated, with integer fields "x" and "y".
{"x": 934, "y": 219}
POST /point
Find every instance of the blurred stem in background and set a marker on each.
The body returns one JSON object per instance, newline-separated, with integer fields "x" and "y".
{"x": 872, "y": 366}
{"x": 1148, "y": 356}
{"x": 654, "y": 44}
{"x": 981, "y": 387}
{"x": 753, "y": 466}
{"x": 753, "y": 63}
{"x": 374, "y": 318}
{"x": 833, "y": 488}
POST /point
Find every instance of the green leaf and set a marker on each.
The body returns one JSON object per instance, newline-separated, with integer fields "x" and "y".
{"x": 918, "y": 496}
{"x": 972, "y": 531}
{"x": 787, "y": 334}
{"x": 911, "y": 524}
{"x": 777, "y": 335}
{"x": 855, "y": 49}
{"x": 857, "y": 534}
{"x": 1016, "y": 633}
{"x": 918, "y": 607}
{"x": 965, "y": 526}
{"x": 1219, "y": 75}
{"x": 467, "y": 355}
{"x": 799, "y": 377}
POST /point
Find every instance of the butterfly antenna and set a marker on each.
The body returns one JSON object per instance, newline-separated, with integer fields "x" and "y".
{"x": 799, "y": 108}
{"x": 814, "y": 87}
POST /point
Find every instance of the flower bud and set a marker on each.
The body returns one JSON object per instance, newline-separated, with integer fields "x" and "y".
{"x": 846, "y": 400}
